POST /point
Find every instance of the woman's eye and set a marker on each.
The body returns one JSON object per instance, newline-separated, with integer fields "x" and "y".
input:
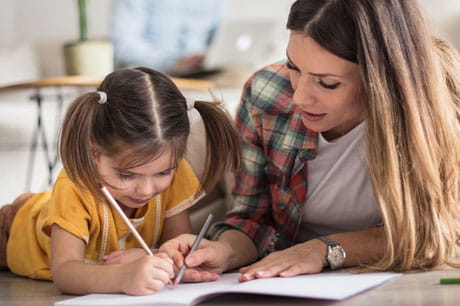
{"x": 291, "y": 66}
{"x": 329, "y": 86}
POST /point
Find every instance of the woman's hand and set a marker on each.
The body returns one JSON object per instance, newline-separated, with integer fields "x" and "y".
{"x": 146, "y": 275}
{"x": 304, "y": 258}
{"x": 204, "y": 264}
{"x": 124, "y": 256}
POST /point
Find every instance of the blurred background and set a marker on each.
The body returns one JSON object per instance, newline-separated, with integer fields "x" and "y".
{"x": 46, "y": 25}
{"x": 32, "y": 36}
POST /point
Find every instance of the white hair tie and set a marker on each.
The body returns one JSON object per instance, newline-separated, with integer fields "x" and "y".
{"x": 102, "y": 97}
{"x": 190, "y": 103}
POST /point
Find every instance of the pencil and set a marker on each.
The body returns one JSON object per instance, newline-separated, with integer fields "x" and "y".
{"x": 195, "y": 245}
{"x": 446, "y": 281}
{"x": 133, "y": 230}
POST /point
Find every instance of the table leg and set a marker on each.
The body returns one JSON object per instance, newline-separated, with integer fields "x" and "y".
{"x": 40, "y": 132}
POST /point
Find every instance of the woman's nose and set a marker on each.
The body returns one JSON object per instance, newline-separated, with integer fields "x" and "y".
{"x": 303, "y": 92}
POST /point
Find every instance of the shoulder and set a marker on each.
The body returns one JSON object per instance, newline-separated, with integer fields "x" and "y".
{"x": 65, "y": 189}
{"x": 269, "y": 89}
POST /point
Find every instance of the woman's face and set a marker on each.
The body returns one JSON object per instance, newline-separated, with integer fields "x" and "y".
{"x": 326, "y": 87}
{"x": 134, "y": 187}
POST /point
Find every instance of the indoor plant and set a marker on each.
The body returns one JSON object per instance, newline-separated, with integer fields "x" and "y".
{"x": 85, "y": 56}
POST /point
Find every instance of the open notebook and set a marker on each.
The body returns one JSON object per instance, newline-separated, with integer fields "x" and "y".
{"x": 328, "y": 285}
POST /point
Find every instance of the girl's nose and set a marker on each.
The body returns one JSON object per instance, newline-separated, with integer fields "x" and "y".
{"x": 145, "y": 187}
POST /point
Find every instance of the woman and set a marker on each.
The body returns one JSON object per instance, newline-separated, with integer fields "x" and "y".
{"x": 351, "y": 150}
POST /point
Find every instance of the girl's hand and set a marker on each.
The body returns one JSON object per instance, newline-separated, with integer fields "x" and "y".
{"x": 205, "y": 264}
{"x": 146, "y": 275}
{"x": 303, "y": 258}
{"x": 124, "y": 256}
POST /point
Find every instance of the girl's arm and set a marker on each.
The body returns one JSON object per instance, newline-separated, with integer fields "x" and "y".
{"x": 72, "y": 275}
{"x": 176, "y": 225}
{"x": 173, "y": 226}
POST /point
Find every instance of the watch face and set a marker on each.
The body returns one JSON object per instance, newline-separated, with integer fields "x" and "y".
{"x": 336, "y": 257}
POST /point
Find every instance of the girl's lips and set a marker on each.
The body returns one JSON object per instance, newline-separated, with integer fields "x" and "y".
{"x": 312, "y": 117}
{"x": 138, "y": 201}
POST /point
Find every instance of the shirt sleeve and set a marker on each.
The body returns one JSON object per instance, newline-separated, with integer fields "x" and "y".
{"x": 251, "y": 210}
{"x": 68, "y": 208}
{"x": 184, "y": 190}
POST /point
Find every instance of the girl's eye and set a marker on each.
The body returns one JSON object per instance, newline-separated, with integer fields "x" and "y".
{"x": 329, "y": 86}
{"x": 125, "y": 176}
{"x": 165, "y": 173}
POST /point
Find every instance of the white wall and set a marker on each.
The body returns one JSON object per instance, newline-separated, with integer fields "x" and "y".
{"x": 444, "y": 17}
{"x": 7, "y": 23}
{"x": 48, "y": 24}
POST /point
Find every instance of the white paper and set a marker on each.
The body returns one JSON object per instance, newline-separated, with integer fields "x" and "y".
{"x": 330, "y": 286}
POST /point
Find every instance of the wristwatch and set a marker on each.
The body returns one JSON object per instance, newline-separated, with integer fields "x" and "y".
{"x": 335, "y": 253}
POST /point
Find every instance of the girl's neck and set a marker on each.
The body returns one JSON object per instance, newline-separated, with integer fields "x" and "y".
{"x": 129, "y": 212}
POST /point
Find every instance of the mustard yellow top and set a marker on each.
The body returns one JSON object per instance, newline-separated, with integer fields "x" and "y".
{"x": 93, "y": 221}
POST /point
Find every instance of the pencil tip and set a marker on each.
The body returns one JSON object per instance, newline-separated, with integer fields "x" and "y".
{"x": 175, "y": 284}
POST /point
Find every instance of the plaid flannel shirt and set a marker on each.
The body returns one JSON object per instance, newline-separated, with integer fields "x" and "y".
{"x": 270, "y": 188}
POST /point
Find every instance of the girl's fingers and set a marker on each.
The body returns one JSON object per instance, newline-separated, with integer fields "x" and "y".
{"x": 165, "y": 256}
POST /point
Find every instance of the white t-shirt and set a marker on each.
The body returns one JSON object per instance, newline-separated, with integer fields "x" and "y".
{"x": 340, "y": 196}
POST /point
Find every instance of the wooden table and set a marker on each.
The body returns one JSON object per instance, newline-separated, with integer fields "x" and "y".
{"x": 58, "y": 83}
{"x": 418, "y": 289}
{"x": 86, "y": 81}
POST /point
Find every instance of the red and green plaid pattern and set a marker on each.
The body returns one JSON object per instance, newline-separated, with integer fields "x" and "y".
{"x": 271, "y": 186}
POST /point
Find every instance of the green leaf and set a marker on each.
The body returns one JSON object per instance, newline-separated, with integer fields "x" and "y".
{"x": 83, "y": 21}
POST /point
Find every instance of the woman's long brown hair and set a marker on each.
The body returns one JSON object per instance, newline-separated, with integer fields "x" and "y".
{"x": 411, "y": 95}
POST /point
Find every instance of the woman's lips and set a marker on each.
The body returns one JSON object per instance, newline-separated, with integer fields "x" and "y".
{"x": 312, "y": 117}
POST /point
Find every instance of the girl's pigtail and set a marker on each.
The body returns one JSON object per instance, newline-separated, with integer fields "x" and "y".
{"x": 75, "y": 142}
{"x": 223, "y": 143}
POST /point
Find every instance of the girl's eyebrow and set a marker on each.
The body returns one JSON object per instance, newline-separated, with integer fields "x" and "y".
{"x": 320, "y": 75}
{"x": 127, "y": 171}
{"x": 124, "y": 170}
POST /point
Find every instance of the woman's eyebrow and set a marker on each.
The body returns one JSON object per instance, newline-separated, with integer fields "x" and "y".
{"x": 320, "y": 75}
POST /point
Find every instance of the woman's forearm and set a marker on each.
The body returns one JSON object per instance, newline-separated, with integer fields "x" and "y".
{"x": 240, "y": 248}
{"x": 363, "y": 247}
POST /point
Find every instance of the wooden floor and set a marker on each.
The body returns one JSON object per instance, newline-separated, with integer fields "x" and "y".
{"x": 20, "y": 291}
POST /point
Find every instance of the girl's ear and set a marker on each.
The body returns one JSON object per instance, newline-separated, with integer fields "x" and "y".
{"x": 94, "y": 152}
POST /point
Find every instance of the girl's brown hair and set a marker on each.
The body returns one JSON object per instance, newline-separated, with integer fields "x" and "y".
{"x": 411, "y": 94}
{"x": 144, "y": 115}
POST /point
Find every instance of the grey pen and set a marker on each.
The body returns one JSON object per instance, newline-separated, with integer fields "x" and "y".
{"x": 195, "y": 245}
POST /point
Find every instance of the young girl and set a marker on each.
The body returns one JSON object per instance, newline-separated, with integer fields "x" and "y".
{"x": 354, "y": 150}
{"x": 130, "y": 136}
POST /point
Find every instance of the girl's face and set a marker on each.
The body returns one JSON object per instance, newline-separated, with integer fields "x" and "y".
{"x": 134, "y": 187}
{"x": 326, "y": 87}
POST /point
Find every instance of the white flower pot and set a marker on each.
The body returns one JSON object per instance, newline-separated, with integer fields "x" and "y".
{"x": 89, "y": 58}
